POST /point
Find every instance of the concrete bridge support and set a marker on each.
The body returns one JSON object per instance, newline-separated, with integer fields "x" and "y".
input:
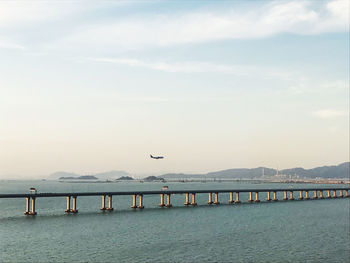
{"x": 140, "y": 206}
{"x": 346, "y": 193}
{"x": 134, "y": 202}
{"x": 268, "y": 196}
{"x": 301, "y": 197}
{"x": 285, "y": 195}
{"x": 27, "y": 206}
{"x": 74, "y": 208}
{"x": 193, "y": 201}
{"x": 187, "y": 199}
{"x": 231, "y": 201}
{"x": 110, "y": 205}
{"x": 68, "y": 205}
{"x": 33, "y": 212}
{"x": 256, "y": 197}
{"x": 315, "y": 194}
{"x": 335, "y": 194}
{"x": 328, "y": 193}
{"x": 321, "y": 194}
{"x": 103, "y": 203}
{"x": 161, "y": 200}
{"x": 168, "y": 204}
{"x": 250, "y": 197}
{"x": 291, "y": 197}
{"x": 237, "y": 198}
{"x": 274, "y": 196}
{"x": 307, "y": 195}
{"x": 210, "y": 199}
{"x": 216, "y": 200}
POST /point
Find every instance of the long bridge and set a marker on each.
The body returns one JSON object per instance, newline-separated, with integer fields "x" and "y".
{"x": 165, "y": 196}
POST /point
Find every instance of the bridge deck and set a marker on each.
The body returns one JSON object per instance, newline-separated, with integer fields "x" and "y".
{"x": 169, "y": 192}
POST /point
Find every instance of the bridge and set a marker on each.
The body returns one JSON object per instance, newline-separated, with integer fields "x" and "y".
{"x": 165, "y": 196}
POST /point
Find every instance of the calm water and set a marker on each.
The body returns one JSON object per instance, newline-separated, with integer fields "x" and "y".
{"x": 294, "y": 231}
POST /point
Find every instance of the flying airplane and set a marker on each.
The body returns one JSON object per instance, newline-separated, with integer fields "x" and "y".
{"x": 156, "y": 157}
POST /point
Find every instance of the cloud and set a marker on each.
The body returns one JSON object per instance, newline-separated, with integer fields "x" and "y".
{"x": 197, "y": 67}
{"x": 329, "y": 113}
{"x": 9, "y": 44}
{"x": 163, "y": 30}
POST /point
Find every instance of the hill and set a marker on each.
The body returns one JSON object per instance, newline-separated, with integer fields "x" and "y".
{"x": 100, "y": 176}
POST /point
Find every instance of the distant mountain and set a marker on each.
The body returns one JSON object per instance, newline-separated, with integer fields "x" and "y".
{"x": 125, "y": 178}
{"x": 100, "y": 176}
{"x": 153, "y": 178}
{"x": 83, "y": 177}
{"x": 336, "y": 171}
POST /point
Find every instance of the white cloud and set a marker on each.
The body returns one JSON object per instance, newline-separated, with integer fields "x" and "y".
{"x": 9, "y": 44}
{"x": 198, "y": 67}
{"x": 298, "y": 17}
{"x": 329, "y": 113}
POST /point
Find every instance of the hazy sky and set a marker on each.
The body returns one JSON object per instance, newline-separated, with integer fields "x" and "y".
{"x": 91, "y": 86}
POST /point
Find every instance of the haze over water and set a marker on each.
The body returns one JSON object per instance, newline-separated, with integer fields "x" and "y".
{"x": 293, "y": 231}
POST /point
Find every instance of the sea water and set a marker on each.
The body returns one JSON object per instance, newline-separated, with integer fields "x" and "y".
{"x": 284, "y": 231}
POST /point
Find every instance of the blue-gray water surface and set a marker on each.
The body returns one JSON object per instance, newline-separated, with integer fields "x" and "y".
{"x": 286, "y": 231}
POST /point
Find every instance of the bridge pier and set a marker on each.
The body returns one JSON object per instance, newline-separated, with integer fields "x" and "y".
{"x": 68, "y": 205}
{"x": 187, "y": 199}
{"x": 210, "y": 199}
{"x": 110, "y": 206}
{"x": 250, "y": 197}
{"x": 237, "y": 198}
{"x": 103, "y": 203}
{"x": 168, "y": 204}
{"x": 231, "y": 201}
{"x": 291, "y": 196}
{"x": 285, "y": 195}
{"x": 315, "y": 194}
{"x": 307, "y": 195}
{"x": 140, "y": 206}
{"x": 216, "y": 200}
{"x": 341, "y": 193}
{"x": 321, "y": 194}
{"x": 256, "y": 197}
{"x": 74, "y": 209}
{"x": 346, "y": 193}
{"x": 33, "y": 212}
{"x": 27, "y": 206}
{"x": 301, "y": 197}
{"x": 328, "y": 194}
{"x": 274, "y": 196}
{"x": 268, "y": 196}
{"x": 335, "y": 194}
{"x": 161, "y": 200}
{"x": 134, "y": 202}
{"x": 193, "y": 201}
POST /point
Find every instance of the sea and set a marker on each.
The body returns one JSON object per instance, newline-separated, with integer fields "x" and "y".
{"x": 284, "y": 231}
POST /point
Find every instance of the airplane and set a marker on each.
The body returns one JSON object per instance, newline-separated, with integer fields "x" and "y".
{"x": 156, "y": 157}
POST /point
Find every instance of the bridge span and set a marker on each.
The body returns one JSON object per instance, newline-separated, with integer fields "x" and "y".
{"x": 190, "y": 196}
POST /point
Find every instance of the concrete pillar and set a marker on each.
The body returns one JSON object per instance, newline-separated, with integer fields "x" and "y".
{"x": 285, "y": 195}
{"x": 231, "y": 198}
{"x": 315, "y": 194}
{"x": 335, "y": 194}
{"x": 32, "y": 212}
{"x": 68, "y": 205}
{"x": 216, "y": 199}
{"x": 250, "y": 197}
{"x": 193, "y": 201}
{"x": 103, "y": 203}
{"x": 140, "y": 202}
{"x": 133, "y": 201}
{"x": 274, "y": 196}
{"x": 187, "y": 200}
{"x": 307, "y": 195}
{"x": 328, "y": 193}
{"x": 341, "y": 193}
{"x": 321, "y": 194}
{"x": 161, "y": 204}
{"x": 346, "y": 193}
{"x": 74, "y": 209}
{"x": 237, "y": 198}
{"x": 210, "y": 200}
{"x": 256, "y": 197}
{"x": 301, "y": 197}
{"x": 168, "y": 204}
{"x": 268, "y": 196}
{"x": 27, "y": 206}
{"x": 110, "y": 205}
{"x": 291, "y": 195}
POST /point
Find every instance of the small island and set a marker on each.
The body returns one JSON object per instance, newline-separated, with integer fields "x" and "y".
{"x": 125, "y": 178}
{"x": 83, "y": 177}
{"x": 153, "y": 178}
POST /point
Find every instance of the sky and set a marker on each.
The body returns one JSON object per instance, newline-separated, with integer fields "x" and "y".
{"x": 93, "y": 86}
